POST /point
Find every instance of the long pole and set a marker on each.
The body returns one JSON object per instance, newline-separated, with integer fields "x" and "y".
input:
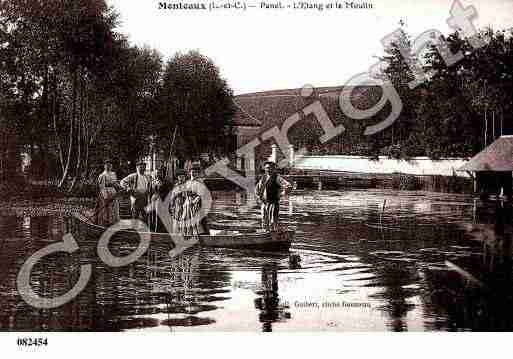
{"x": 486, "y": 129}
{"x": 486, "y": 118}
{"x": 493, "y": 122}
{"x": 502, "y": 118}
{"x": 105, "y": 205}
{"x": 171, "y": 164}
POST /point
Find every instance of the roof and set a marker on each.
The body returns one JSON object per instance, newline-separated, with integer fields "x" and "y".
{"x": 243, "y": 118}
{"x": 497, "y": 157}
{"x": 271, "y": 108}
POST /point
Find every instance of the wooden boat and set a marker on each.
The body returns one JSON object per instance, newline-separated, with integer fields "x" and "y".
{"x": 261, "y": 240}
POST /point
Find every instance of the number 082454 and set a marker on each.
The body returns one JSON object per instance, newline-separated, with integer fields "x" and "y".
{"x": 29, "y": 342}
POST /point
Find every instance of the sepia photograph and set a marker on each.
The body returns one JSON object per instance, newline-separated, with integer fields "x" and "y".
{"x": 314, "y": 166}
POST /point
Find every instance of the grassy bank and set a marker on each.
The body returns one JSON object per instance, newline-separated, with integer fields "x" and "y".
{"x": 44, "y": 190}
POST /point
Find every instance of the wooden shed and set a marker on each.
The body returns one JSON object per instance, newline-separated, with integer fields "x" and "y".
{"x": 493, "y": 167}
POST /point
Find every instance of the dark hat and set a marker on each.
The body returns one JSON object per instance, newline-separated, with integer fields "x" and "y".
{"x": 107, "y": 160}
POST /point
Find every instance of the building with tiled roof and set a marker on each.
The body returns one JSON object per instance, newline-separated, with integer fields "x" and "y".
{"x": 260, "y": 111}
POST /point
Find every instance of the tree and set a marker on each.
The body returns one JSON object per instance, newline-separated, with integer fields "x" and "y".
{"x": 195, "y": 100}
{"x": 72, "y": 87}
{"x": 473, "y": 93}
{"x": 134, "y": 86}
{"x": 57, "y": 49}
{"x": 400, "y": 67}
{"x": 460, "y": 108}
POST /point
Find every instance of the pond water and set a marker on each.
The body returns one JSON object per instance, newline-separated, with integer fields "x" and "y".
{"x": 369, "y": 260}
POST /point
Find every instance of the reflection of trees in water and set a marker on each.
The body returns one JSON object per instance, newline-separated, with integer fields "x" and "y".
{"x": 51, "y": 277}
{"x": 183, "y": 272}
{"x": 394, "y": 277}
{"x": 12, "y": 227}
{"x": 448, "y": 300}
{"x": 115, "y": 298}
{"x": 180, "y": 282}
{"x": 394, "y": 273}
{"x": 193, "y": 285}
{"x": 395, "y": 252}
{"x": 455, "y": 301}
{"x": 497, "y": 259}
{"x": 412, "y": 221}
{"x": 268, "y": 303}
{"x": 127, "y": 297}
{"x": 454, "y": 305}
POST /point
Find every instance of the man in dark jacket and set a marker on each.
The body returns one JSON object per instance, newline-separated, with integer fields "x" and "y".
{"x": 269, "y": 190}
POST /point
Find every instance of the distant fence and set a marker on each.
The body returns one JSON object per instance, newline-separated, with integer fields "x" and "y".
{"x": 399, "y": 181}
{"x": 420, "y": 166}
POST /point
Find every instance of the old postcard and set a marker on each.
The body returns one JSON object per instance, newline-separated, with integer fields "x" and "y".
{"x": 255, "y": 166}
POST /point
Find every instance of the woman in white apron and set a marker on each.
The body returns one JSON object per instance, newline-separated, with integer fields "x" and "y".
{"x": 107, "y": 206}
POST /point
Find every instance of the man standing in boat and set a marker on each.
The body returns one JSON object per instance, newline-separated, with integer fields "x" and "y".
{"x": 269, "y": 190}
{"x": 161, "y": 187}
{"x": 138, "y": 185}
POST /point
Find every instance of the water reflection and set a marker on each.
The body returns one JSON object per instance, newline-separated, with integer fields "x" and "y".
{"x": 397, "y": 293}
{"x": 386, "y": 250}
{"x": 271, "y": 310}
{"x": 478, "y": 294}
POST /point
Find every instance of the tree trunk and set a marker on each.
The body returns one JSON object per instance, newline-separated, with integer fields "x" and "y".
{"x": 85, "y": 171}
{"x": 44, "y": 113}
{"x": 80, "y": 122}
{"x": 55, "y": 113}
{"x": 72, "y": 124}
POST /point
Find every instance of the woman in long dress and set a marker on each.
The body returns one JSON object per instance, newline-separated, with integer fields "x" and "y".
{"x": 188, "y": 205}
{"x": 107, "y": 205}
{"x": 177, "y": 201}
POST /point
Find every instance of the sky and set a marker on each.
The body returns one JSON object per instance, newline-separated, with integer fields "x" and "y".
{"x": 259, "y": 49}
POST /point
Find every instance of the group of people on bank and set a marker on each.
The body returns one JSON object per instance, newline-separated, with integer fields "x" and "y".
{"x": 182, "y": 198}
